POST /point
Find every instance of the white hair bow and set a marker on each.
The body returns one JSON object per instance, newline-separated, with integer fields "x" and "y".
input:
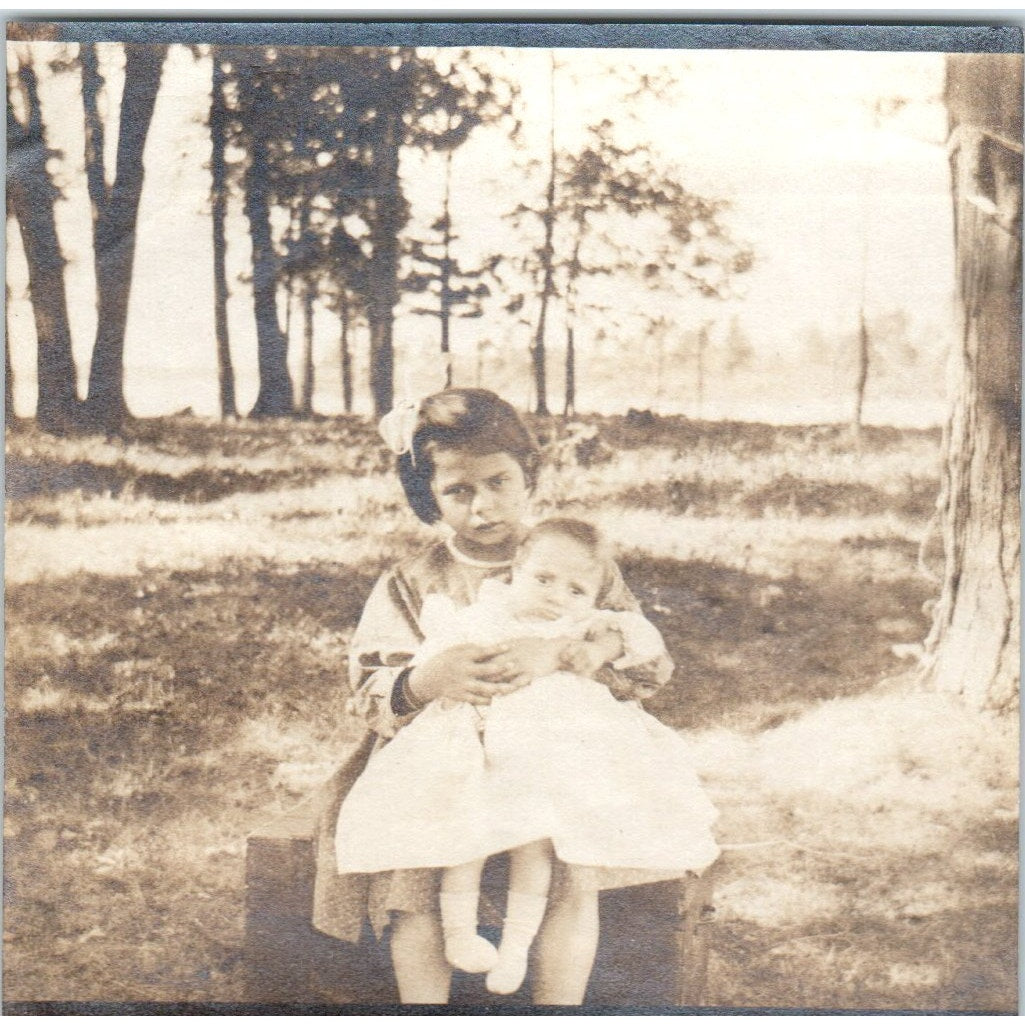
{"x": 398, "y": 426}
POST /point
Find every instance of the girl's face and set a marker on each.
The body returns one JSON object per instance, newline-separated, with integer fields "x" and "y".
{"x": 483, "y": 499}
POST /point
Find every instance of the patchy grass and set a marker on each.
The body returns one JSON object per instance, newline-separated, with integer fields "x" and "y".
{"x": 178, "y": 607}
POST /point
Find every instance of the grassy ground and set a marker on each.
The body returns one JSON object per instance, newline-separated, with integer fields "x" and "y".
{"x": 178, "y": 606}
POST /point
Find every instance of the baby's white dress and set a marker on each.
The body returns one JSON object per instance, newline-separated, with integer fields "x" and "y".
{"x": 559, "y": 758}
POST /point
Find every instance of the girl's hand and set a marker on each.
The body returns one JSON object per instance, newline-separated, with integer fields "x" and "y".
{"x": 467, "y": 672}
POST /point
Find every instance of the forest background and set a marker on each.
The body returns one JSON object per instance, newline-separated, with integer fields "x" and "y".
{"x": 828, "y": 181}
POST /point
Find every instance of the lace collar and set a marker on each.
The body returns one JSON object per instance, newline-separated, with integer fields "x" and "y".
{"x": 466, "y": 560}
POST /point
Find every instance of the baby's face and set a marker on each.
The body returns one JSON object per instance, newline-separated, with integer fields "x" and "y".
{"x": 556, "y": 577}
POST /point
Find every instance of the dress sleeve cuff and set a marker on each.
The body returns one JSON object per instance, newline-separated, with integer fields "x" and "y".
{"x": 402, "y": 702}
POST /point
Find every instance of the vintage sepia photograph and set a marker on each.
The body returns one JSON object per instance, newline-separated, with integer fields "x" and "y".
{"x": 512, "y": 517}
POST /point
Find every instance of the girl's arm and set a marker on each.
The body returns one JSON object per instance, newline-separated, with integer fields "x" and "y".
{"x": 387, "y": 689}
{"x": 380, "y": 651}
{"x": 627, "y": 677}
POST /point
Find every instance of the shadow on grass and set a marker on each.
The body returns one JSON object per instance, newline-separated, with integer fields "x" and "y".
{"x": 146, "y": 719}
{"x": 28, "y": 480}
{"x": 802, "y": 497}
{"x": 877, "y": 955}
{"x": 751, "y": 653}
{"x": 641, "y": 429}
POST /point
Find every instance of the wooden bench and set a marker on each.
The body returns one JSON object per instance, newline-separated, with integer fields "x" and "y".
{"x": 653, "y": 950}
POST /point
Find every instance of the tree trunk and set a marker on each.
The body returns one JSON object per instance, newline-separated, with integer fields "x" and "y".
{"x": 972, "y": 649}
{"x": 30, "y": 196}
{"x": 537, "y": 349}
{"x": 569, "y": 407}
{"x": 384, "y": 263}
{"x": 114, "y": 236}
{"x": 445, "y": 310}
{"x": 343, "y": 313}
{"x": 862, "y": 378}
{"x": 306, "y": 389}
{"x": 275, "y": 394}
{"x": 95, "y": 174}
{"x": 218, "y": 208}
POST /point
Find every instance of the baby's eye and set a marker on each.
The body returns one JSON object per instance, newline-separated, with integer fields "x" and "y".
{"x": 577, "y": 592}
{"x": 542, "y": 578}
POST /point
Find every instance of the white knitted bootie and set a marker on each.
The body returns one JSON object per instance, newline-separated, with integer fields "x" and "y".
{"x": 523, "y": 916}
{"x": 464, "y": 949}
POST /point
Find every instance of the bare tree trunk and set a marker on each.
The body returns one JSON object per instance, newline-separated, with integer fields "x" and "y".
{"x": 99, "y": 194}
{"x": 862, "y": 378}
{"x": 275, "y": 395}
{"x": 30, "y": 196}
{"x": 343, "y": 312}
{"x": 115, "y": 236}
{"x": 218, "y": 208}
{"x": 973, "y": 646}
{"x": 384, "y": 265}
{"x": 569, "y": 407}
{"x": 702, "y": 344}
{"x": 537, "y": 349}
{"x": 445, "y": 310}
{"x": 306, "y": 390}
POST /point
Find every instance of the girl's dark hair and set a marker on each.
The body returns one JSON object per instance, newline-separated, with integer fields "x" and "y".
{"x": 471, "y": 420}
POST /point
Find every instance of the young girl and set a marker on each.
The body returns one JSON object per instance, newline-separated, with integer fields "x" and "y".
{"x": 558, "y": 767}
{"x": 466, "y": 461}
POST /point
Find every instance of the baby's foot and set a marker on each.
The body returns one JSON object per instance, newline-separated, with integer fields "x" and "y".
{"x": 507, "y": 976}
{"x": 470, "y": 953}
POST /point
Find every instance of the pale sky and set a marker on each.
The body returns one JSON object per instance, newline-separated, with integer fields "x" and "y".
{"x": 788, "y": 137}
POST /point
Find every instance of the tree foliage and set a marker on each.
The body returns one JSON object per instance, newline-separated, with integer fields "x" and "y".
{"x": 323, "y": 130}
{"x": 598, "y": 196}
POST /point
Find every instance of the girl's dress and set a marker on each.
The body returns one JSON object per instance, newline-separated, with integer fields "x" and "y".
{"x": 560, "y": 758}
{"x": 388, "y": 634}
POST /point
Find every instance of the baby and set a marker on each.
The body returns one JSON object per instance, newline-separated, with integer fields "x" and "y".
{"x": 556, "y": 769}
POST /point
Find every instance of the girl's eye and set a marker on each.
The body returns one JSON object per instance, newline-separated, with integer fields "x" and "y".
{"x": 456, "y": 490}
{"x": 497, "y": 482}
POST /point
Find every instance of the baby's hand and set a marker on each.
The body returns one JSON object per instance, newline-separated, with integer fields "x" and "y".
{"x": 582, "y": 658}
{"x": 587, "y": 657}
